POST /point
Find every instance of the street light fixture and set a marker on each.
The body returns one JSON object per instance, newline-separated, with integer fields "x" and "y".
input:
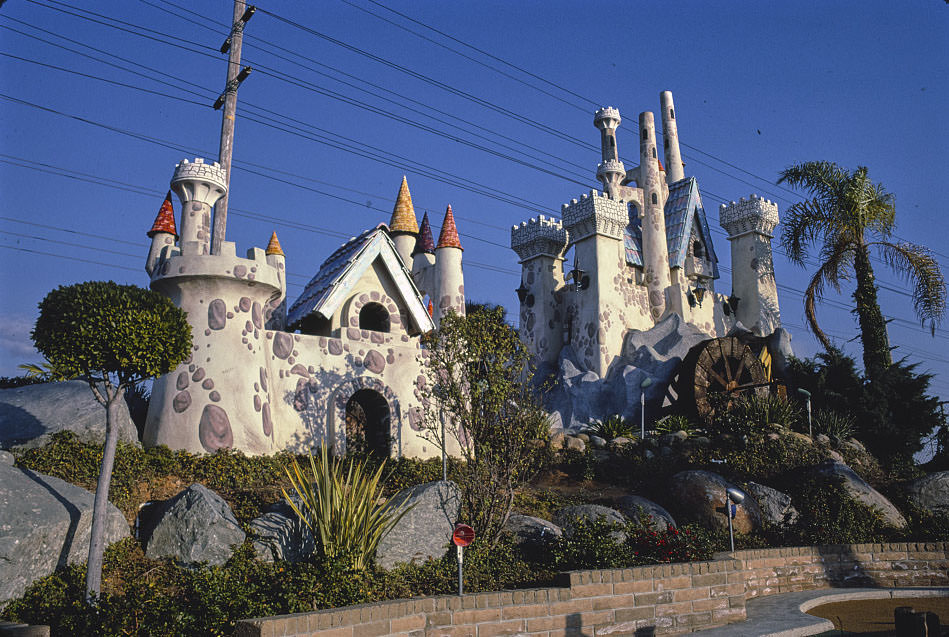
{"x": 642, "y": 407}
{"x": 732, "y": 495}
{"x": 807, "y": 396}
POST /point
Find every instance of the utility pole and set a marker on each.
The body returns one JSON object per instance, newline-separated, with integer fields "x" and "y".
{"x": 228, "y": 99}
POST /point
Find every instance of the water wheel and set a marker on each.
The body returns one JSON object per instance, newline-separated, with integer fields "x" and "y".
{"x": 718, "y": 366}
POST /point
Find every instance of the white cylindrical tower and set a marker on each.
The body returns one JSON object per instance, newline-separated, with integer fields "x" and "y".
{"x": 198, "y": 186}
{"x": 163, "y": 234}
{"x": 610, "y": 171}
{"x": 276, "y": 312}
{"x": 449, "y": 278}
{"x": 670, "y": 139}
{"x": 423, "y": 259}
{"x": 403, "y": 227}
{"x": 655, "y": 247}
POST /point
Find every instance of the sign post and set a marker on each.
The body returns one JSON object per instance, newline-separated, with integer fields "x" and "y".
{"x": 462, "y": 536}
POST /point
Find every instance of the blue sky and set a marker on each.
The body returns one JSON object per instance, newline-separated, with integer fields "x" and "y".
{"x": 758, "y": 86}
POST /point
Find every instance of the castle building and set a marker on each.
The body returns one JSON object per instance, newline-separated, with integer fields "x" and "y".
{"x": 642, "y": 251}
{"x": 343, "y": 363}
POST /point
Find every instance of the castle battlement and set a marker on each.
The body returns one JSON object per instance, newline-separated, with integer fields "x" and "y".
{"x": 755, "y": 214}
{"x": 606, "y": 114}
{"x": 539, "y": 236}
{"x": 595, "y": 213}
{"x": 610, "y": 166}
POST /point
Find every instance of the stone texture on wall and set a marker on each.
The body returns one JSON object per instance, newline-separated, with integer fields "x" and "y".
{"x": 661, "y": 599}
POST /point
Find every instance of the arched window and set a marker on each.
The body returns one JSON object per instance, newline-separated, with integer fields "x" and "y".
{"x": 698, "y": 249}
{"x": 375, "y": 317}
{"x": 653, "y": 151}
{"x": 672, "y": 113}
{"x": 645, "y": 133}
{"x": 368, "y": 423}
{"x": 655, "y": 199}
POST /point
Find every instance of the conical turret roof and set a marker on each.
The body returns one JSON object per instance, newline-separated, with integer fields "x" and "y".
{"x": 448, "y": 238}
{"x": 274, "y": 246}
{"x": 165, "y": 221}
{"x": 403, "y": 215}
{"x": 425, "y": 243}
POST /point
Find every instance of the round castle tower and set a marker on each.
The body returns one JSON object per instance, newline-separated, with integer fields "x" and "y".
{"x": 218, "y": 397}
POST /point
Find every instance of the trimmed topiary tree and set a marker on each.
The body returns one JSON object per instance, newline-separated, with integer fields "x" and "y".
{"x": 112, "y": 336}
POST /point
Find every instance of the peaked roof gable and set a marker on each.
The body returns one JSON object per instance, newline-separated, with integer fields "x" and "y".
{"x": 684, "y": 215}
{"x": 340, "y": 273}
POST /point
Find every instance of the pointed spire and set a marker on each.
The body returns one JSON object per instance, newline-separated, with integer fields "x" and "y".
{"x": 403, "y": 215}
{"x": 661, "y": 167}
{"x": 425, "y": 243}
{"x": 274, "y": 246}
{"x": 165, "y": 221}
{"x": 448, "y": 238}
{"x": 431, "y": 308}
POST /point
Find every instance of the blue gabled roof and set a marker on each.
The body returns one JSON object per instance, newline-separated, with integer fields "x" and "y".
{"x": 684, "y": 214}
{"x": 342, "y": 270}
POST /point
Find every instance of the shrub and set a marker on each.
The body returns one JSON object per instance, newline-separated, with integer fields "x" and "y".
{"x": 834, "y": 424}
{"x": 673, "y": 423}
{"x": 339, "y": 504}
{"x": 830, "y": 515}
{"x": 614, "y": 426}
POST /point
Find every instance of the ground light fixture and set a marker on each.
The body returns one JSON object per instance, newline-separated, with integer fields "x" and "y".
{"x": 807, "y": 396}
{"x": 732, "y": 495}
{"x": 642, "y": 407}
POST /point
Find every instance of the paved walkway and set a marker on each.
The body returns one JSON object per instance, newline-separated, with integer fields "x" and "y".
{"x": 785, "y": 615}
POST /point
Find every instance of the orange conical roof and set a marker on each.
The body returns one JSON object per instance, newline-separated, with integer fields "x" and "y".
{"x": 165, "y": 221}
{"x": 448, "y": 238}
{"x": 431, "y": 308}
{"x": 274, "y": 246}
{"x": 403, "y": 215}
{"x": 661, "y": 167}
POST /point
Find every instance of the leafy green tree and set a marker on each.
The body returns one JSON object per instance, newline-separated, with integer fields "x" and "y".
{"x": 479, "y": 402}
{"x": 112, "y": 336}
{"x": 847, "y": 215}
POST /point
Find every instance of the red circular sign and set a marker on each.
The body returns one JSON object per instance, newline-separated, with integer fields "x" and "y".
{"x": 463, "y": 535}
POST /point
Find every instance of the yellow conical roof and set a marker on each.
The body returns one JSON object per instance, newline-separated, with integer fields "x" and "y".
{"x": 274, "y": 246}
{"x": 403, "y": 215}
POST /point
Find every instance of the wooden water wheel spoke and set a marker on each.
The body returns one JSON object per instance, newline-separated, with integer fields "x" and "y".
{"x": 724, "y": 359}
{"x": 741, "y": 367}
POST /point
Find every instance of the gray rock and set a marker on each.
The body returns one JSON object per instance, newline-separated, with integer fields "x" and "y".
{"x": 699, "y": 496}
{"x": 576, "y": 444}
{"x": 530, "y": 530}
{"x": 859, "y": 490}
{"x": 632, "y": 506}
{"x": 622, "y": 441}
{"x": 29, "y": 415}
{"x": 194, "y": 526}
{"x": 584, "y": 437}
{"x": 566, "y": 517}
{"x": 281, "y": 536}
{"x": 822, "y": 439}
{"x": 776, "y": 507}
{"x": 930, "y": 492}
{"x": 6, "y": 458}
{"x": 44, "y": 525}
{"x": 598, "y": 442}
{"x": 425, "y": 531}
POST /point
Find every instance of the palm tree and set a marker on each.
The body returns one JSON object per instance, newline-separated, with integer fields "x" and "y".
{"x": 846, "y": 215}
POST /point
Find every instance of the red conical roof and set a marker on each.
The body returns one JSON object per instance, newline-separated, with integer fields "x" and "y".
{"x": 448, "y": 238}
{"x": 424, "y": 243}
{"x": 165, "y": 221}
{"x": 661, "y": 167}
{"x": 431, "y": 308}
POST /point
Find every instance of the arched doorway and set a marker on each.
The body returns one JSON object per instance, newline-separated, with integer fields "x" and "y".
{"x": 367, "y": 423}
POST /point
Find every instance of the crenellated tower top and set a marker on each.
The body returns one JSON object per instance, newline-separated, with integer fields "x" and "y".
{"x": 539, "y": 236}
{"x": 755, "y": 214}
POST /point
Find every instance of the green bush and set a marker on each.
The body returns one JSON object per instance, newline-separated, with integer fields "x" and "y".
{"x": 834, "y": 424}
{"x": 830, "y": 515}
{"x": 614, "y": 426}
{"x": 673, "y": 423}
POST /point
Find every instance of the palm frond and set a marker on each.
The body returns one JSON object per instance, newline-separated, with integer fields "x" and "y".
{"x": 834, "y": 268}
{"x": 917, "y": 265}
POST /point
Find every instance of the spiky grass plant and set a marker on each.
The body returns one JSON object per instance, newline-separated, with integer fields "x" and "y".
{"x": 341, "y": 503}
{"x": 834, "y": 424}
{"x": 614, "y": 426}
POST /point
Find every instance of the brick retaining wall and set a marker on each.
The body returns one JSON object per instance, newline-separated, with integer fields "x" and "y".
{"x": 667, "y": 598}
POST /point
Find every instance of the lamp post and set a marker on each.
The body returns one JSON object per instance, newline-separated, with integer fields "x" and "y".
{"x": 642, "y": 406}
{"x": 732, "y": 495}
{"x": 807, "y": 396}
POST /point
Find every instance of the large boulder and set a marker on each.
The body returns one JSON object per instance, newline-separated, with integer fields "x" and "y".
{"x": 530, "y": 530}
{"x": 425, "y": 531}
{"x": 566, "y": 518}
{"x": 930, "y": 492}
{"x": 29, "y": 415}
{"x": 776, "y": 507}
{"x": 194, "y": 526}
{"x": 280, "y": 534}
{"x": 44, "y": 525}
{"x": 633, "y": 506}
{"x": 699, "y": 496}
{"x": 859, "y": 490}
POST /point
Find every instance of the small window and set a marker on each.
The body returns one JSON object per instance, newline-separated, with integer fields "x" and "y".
{"x": 645, "y": 133}
{"x": 672, "y": 113}
{"x": 612, "y": 143}
{"x": 698, "y": 249}
{"x": 375, "y": 317}
{"x": 655, "y": 199}
{"x": 654, "y": 152}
